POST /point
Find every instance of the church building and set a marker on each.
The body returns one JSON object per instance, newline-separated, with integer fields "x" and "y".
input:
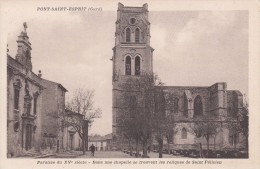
{"x": 33, "y": 104}
{"x": 133, "y": 56}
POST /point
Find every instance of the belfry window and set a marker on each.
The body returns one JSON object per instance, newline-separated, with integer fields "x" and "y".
{"x": 127, "y": 35}
{"x": 137, "y": 65}
{"x": 137, "y": 35}
{"x": 128, "y": 65}
{"x": 184, "y": 133}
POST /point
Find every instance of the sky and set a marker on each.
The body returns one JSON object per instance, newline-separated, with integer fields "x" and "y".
{"x": 192, "y": 48}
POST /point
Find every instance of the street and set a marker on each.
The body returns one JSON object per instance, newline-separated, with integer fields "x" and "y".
{"x": 103, "y": 154}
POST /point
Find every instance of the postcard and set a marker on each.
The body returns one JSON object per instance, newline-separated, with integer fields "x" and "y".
{"x": 133, "y": 84}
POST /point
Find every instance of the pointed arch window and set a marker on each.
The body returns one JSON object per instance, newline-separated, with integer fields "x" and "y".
{"x": 128, "y": 65}
{"x": 176, "y": 105}
{"x": 137, "y": 65}
{"x": 198, "y": 107}
{"x": 127, "y": 35}
{"x": 184, "y": 133}
{"x": 137, "y": 35}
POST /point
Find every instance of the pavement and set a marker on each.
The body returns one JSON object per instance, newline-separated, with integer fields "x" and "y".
{"x": 103, "y": 154}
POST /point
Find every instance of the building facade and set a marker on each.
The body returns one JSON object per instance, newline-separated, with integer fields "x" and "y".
{"x": 71, "y": 138}
{"x": 133, "y": 57}
{"x": 33, "y": 104}
{"x": 53, "y": 106}
{"x": 102, "y": 143}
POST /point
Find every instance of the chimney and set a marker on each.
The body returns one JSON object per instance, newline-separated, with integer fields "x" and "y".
{"x": 40, "y": 73}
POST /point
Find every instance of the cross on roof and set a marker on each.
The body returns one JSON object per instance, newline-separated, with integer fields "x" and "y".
{"x": 25, "y": 26}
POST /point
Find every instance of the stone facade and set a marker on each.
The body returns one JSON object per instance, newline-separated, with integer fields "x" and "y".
{"x": 24, "y": 108}
{"x": 31, "y": 100}
{"x": 133, "y": 56}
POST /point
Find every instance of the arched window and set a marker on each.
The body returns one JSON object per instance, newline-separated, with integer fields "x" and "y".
{"x": 128, "y": 65}
{"x": 127, "y": 35}
{"x": 16, "y": 98}
{"x": 137, "y": 35}
{"x": 137, "y": 65}
{"x": 176, "y": 105}
{"x": 17, "y": 85}
{"x": 233, "y": 138}
{"x": 184, "y": 133}
{"x": 198, "y": 108}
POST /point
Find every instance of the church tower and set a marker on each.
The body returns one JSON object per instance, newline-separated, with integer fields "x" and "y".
{"x": 132, "y": 57}
{"x": 24, "y": 49}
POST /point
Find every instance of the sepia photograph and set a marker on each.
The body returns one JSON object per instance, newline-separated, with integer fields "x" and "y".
{"x": 126, "y": 80}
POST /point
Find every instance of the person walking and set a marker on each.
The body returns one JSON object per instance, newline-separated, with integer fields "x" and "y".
{"x": 92, "y": 149}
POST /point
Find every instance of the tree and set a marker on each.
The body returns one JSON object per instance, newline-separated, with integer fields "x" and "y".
{"x": 233, "y": 125}
{"x": 130, "y": 122}
{"x": 78, "y": 123}
{"x": 244, "y": 120}
{"x": 81, "y": 114}
{"x": 238, "y": 124}
{"x": 243, "y": 124}
{"x": 170, "y": 131}
{"x": 206, "y": 128}
{"x": 139, "y": 106}
{"x": 171, "y": 107}
{"x": 159, "y": 120}
{"x": 166, "y": 104}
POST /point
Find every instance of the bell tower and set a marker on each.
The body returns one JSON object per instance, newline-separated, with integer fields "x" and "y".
{"x": 132, "y": 57}
{"x": 24, "y": 49}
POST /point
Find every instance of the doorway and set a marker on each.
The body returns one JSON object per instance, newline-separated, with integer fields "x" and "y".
{"x": 71, "y": 141}
{"x": 28, "y": 137}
